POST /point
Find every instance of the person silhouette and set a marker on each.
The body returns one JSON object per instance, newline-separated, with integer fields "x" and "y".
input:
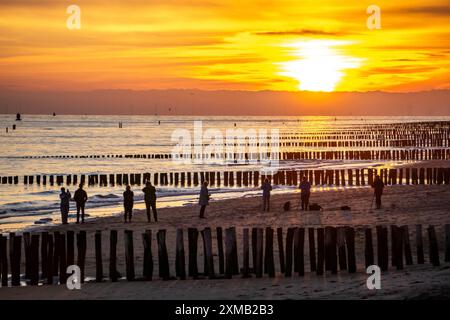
{"x": 203, "y": 200}
{"x": 80, "y": 198}
{"x": 150, "y": 200}
{"x": 128, "y": 202}
{"x": 64, "y": 196}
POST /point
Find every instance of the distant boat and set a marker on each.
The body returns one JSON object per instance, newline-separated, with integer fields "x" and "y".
{"x": 18, "y": 117}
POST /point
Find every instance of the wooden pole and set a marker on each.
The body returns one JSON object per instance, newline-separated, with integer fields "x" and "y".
{"x": 447, "y": 243}
{"x": 62, "y": 259}
{"x": 259, "y": 253}
{"x": 26, "y": 246}
{"x": 350, "y": 241}
{"x": 4, "y": 260}
{"x": 220, "y": 250}
{"x": 408, "y": 254}
{"x": 113, "y": 256}
{"x": 369, "y": 248}
{"x": 49, "y": 259}
{"x": 228, "y": 253}
{"x": 70, "y": 247}
{"x": 98, "y": 257}
{"x": 281, "y": 249}
{"x": 269, "y": 262}
{"x": 312, "y": 250}
{"x": 434, "y": 250}
{"x": 419, "y": 245}
{"x": 129, "y": 255}
{"x": 320, "y": 251}
{"x": 235, "y": 260}
{"x": 399, "y": 247}
{"x": 44, "y": 256}
{"x": 342, "y": 254}
{"x": 289, "y": 243}
{"x": 56, "y": 252}
{"x": 207, "y": 244}
{"x": 300, "y": 251}
{"x": 148, "y": 256}
{"x": 193, "y": 240}
{"x": 15, "y": 260}
{"x": 81, "y": 257}
{"x": 163, "y": 258}
{"x": 246, "y": 254}
{"x": 180, "y": 264}
{"x": 382, "y": 248}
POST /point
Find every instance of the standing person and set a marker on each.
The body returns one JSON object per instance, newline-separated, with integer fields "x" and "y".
{"x": 203, "y": 201}
{"x": 80, "y": 198}
{"x": 266, "y": 188}
{"x": 305, "y": 186}
{"x": 64, "y": 196}
{"x": 378, "y": 187}
{"x": 128, "y": 201}
{"x": 150, "y": 200}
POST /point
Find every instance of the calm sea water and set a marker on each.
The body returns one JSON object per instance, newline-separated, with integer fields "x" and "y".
{"x": 36, "y": 135}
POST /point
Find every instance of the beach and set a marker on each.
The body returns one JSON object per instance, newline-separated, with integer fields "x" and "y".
{"x": 402, "y": 205}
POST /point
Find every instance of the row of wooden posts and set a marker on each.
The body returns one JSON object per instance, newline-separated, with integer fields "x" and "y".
{"x": 333, "y": 250}
{"x": 249, "y": 157}
{"x": 337, "y": 177}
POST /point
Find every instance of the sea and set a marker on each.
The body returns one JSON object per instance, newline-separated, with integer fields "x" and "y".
{"x": 25, "y": 207}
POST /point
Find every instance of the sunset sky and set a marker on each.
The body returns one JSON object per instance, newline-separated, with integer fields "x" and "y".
{"x": 235, "y": 45}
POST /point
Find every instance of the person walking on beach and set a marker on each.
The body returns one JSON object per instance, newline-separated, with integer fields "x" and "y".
{"x": 150, "y": 200}
{"x": 80, "y": 198}
{"x": 128, "y": 201}
{"x": 378, "y": 187}
{"x": 64, "y": 196}
{"x": 266, "y": 188}
{"x": 305, "y": 186}
{"x": 203, "y": 201}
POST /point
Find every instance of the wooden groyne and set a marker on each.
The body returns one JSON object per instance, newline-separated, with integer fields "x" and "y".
{"x": 317, "y": 177}
{"x": 44, "y": 257}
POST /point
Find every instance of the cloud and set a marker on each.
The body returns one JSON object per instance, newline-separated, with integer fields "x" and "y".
{"x": 303, "y": 32}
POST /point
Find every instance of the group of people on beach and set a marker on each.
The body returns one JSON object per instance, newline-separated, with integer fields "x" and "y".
{"x": 80, "y": 197}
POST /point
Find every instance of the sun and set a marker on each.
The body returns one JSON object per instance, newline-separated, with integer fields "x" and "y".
{"x": 320, "y": 64}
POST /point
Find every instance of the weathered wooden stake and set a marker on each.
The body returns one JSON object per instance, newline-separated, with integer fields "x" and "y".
{"x": 207, "y": 245}
{"x": 148, "y": 256}
{"x": 98, "y": 257}
{"x": 220, "y": 250}
{"x": 113, "y": 256}
{"x": 163, "y": 259}
{"x": 15, "y": 259}
{"x": 193, "y": 240}
{"x": 342, "y": 254}
{"x": 434, "y": 250}
{"x": 407, "y": 244}
{"x": 289, "y": 243}
{"x": 350, "y": 241}
{"x": 419, "y": 244}
{"x": 269, "y": 262}
{"x": 382, "y": 248}
{"x": 368, "y": 253}
{"x": 281, "y": 249}
{"x": 246, "y": 254}
{"x": 62, "y": 259}
{"x": 180, "y": 264}
{"x": 81, "y": 252}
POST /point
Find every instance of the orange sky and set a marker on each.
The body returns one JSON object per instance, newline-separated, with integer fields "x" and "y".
{"x": 216, "y": 44}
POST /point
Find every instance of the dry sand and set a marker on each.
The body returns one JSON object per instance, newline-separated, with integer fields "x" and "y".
{"x": 402, "y": 205}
